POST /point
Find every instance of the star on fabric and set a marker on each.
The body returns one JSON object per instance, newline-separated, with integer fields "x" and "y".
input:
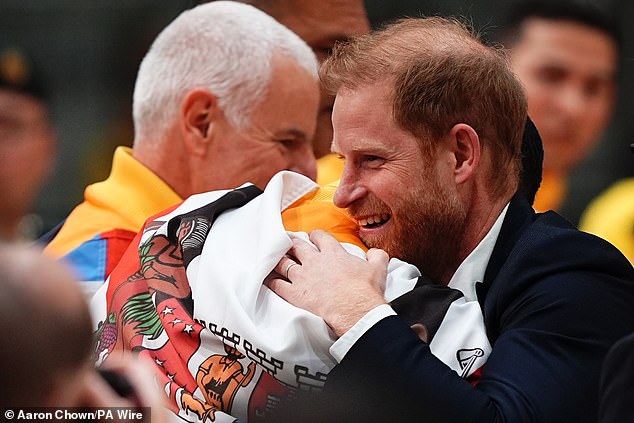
{"x": 188, "y": 329}
{"x": 167, "y": 310}
{"x": 159, "y": 362}
{"x": 175, "y": 321}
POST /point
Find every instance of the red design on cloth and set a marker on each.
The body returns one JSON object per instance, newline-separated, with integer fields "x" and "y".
{"x": 148, "y": 302}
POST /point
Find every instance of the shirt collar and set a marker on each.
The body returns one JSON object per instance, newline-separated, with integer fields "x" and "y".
{"x": 472, "y": 269}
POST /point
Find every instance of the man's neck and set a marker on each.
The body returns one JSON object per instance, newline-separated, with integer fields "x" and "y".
{"x": 169, "y": 165}
{"x": 482, "y": 215}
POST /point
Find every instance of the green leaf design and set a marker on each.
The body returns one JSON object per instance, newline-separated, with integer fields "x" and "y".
{"x": 140, "y": 310}
{"x": 144, "y": 254}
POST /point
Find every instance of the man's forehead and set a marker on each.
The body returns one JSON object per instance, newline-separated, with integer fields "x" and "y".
{"x": 362, "y": 110}
{"x": 567, "y": 45}
{"x": 326, "y": 20}
{"x": 378, "y": 93}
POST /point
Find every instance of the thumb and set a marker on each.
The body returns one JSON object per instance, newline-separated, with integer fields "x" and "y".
{"x": 377, "y": 257}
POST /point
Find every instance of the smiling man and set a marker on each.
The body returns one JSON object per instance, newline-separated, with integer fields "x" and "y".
{"x": 431, "y": 176}
{"x": 225, "y": 95}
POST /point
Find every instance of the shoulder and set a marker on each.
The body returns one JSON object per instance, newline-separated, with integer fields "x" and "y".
{"x": 552, "y": 244}
{"x": 546, "y": 243}
{"x": 94, "y": 258}
{"x": 567, "y": 276}
{"x": 86, "y": 222}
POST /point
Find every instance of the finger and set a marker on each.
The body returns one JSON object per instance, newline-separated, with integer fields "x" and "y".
{"x": 377, "y": 257}
{"x": 324, "y": 240}
{"x": 284, "y": 266}
{"x": 280, "y": 286}
{"x": 379, "y": 261}
{"x": 142, "y": 374}
{"x": 98, "y": 393}
{"x": 301, "y": 249}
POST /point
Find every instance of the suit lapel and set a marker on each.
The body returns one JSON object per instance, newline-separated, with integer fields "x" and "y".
{"x": 519, "y": 216}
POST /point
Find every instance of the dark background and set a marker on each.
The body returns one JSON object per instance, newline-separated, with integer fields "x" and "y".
{"x": 88, "y": 53}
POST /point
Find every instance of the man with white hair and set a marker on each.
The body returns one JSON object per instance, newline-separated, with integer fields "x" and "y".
{"x": 225, "y": 95}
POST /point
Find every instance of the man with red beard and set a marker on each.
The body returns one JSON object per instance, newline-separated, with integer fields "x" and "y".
{"x": 431, "y": 138}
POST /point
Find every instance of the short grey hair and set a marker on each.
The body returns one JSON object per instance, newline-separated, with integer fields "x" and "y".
{"x": 224, "y": 47}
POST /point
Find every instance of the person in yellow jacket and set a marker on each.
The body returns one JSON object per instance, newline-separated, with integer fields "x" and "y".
{"x": 611, "y": 216}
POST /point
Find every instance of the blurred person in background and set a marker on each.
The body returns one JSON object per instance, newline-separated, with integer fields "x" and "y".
{"x": 321, "y": 24}
{"x": 225, "y": 95}
{"x": 27, "y": 144}
{"x": 566, "y": 54}
{"x": 611, "y": 216}
{"x": 48, "y": 360}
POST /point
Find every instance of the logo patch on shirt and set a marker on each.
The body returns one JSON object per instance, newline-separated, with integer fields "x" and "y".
{"x": 467, "y": 357}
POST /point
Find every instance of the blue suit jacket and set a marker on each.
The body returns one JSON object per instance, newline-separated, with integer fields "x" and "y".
{"x": 616, "y": 391}
{"x": 554, "y": 300}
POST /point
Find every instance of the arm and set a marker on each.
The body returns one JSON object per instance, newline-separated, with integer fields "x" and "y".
{"x": 550, "y": 338}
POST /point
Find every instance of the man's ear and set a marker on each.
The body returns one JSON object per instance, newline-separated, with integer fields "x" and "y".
{"x": 198, "y": 112}
{"x": 466, "y": 147}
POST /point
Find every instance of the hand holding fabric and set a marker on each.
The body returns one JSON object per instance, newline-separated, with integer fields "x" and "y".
{"x": 330, "y": 282}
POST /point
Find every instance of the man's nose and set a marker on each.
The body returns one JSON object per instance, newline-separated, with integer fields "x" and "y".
{"x": 573, "y": 103}
{"x": 349, "y": 190}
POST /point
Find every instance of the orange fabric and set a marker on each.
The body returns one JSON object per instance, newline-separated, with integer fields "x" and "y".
{"x": 317, "y": 211}
{"x": 551, "y": 193}
{"x": 329, "y": 169}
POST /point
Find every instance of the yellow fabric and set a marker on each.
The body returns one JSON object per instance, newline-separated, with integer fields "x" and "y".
{"x": 130, "y": 195}
{"x": 551, "y": 193}
{"x": 611, "y": 216}
{"x": 329, "y": 169}
{"x": 316, "y": 211}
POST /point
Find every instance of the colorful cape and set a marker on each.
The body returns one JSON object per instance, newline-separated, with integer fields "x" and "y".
{"x": 189, "y": 294}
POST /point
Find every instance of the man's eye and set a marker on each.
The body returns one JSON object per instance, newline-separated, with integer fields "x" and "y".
{"x": 373, "y": 161}
{"x": 288, "y": 143}
{"x": 551, "y": 75}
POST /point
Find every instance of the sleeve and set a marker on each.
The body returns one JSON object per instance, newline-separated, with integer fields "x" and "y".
{"x": 549, "y": 344}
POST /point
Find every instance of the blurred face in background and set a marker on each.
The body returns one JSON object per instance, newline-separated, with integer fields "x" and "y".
{"x": 27, "y": 148}
{"x": 569, "y": 72}
{"x": 321, "y": 23}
